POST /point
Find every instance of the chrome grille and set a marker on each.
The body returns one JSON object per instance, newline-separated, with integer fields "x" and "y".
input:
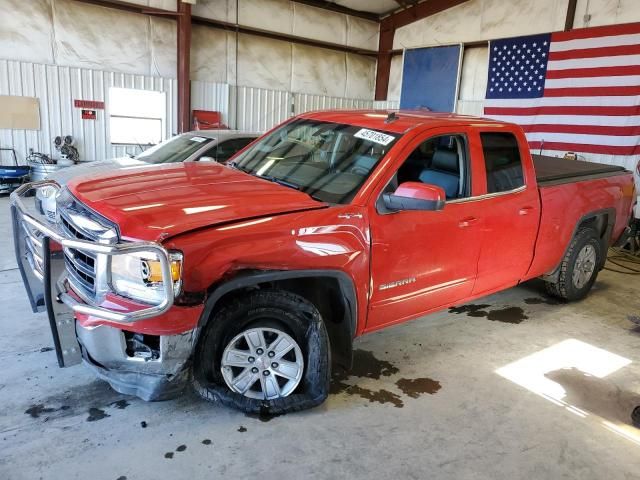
{"x": 81, "y": 265}
{"x": 33, "y": 243}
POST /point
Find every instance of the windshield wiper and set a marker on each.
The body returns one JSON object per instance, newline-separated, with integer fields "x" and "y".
{"x": 279, "y": 181}
{"x": 290, "y": 185}
{"x": 235, "y": 166}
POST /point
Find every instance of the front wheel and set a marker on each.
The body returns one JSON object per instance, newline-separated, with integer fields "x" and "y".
{"x": 267, "y": 352}
{"x": 579, "y": 267}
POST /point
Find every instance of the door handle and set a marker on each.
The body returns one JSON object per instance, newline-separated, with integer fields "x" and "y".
{"x": 467, "y": 222}
{"x": 525, "y": 210}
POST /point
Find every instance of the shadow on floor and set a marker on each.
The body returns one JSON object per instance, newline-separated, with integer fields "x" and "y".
{"x": 596, "y": 395}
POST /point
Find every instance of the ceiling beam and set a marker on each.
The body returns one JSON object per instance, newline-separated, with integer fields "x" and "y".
{"x": 184, "y": 66}
{"x": 388, "y": 27}
{"x": 571, "y": 15}
{"x": 334, "y": 7}
{"x": 132, "y": 7}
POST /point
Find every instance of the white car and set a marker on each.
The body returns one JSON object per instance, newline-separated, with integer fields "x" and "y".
{"x": 203, "y": 145}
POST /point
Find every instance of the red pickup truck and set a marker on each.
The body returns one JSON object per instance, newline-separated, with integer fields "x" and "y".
{"x": 251, "y": 279}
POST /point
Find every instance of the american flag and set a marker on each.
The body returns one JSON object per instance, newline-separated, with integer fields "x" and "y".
{"x": 575, "y": 91}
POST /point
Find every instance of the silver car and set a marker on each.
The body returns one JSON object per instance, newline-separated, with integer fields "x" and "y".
{"x": 204, "y": 145}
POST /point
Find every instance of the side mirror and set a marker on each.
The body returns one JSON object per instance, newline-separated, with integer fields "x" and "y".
{"x": 206, "y": 159}
{"x": 415, "y": 196}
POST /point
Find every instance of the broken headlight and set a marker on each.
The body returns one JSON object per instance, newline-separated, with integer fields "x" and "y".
{"x": 139, "y": 276}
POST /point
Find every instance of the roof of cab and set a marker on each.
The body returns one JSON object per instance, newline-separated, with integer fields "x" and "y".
{"x": 405, "y": 119}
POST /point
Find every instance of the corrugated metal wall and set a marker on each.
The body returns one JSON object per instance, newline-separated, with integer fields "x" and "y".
{"x": 306, "y": 102}
{"x": 211, "y": 96}
{"x": 258, "y": 109}
{"x": 57, "y": 88}
{"x": 246, "y": 108}
{"x": 386, "y": 104}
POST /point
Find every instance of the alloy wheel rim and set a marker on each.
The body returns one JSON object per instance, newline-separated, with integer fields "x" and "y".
{"x": 262, "y": 363}
{"x": 585, "y": 266}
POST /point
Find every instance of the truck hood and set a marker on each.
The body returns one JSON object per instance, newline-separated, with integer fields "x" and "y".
{"x": 157, "y": 202}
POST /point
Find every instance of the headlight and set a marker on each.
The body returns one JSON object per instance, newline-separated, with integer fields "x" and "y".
{"x": 46, "y": 192}
{"x": 139, "y": 276}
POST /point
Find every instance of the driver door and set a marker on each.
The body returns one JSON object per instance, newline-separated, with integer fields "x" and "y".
{"x": 424, "y": 260}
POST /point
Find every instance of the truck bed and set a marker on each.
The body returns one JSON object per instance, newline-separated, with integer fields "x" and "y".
{"x": 554, "y": 170}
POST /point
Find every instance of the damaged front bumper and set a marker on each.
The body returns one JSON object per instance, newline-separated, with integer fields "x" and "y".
{"x": 150, "y": 367}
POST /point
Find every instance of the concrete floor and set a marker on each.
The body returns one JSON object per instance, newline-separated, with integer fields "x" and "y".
{"x": 483, "y": 393}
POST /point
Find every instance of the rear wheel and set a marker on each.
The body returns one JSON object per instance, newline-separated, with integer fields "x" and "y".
{"x": 579, "y": 267}
{"x": 267, "y": 352}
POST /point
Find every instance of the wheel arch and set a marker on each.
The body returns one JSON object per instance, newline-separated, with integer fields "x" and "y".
{"x": 603, "y": 222}
{"x": 332, "y": 292}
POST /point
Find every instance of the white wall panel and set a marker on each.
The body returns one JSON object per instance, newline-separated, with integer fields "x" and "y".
{"x": 26, "y": 30}
{"x": 73, "y": 34}
{"x": 211, "y": 53}
{"x": 89, "y": 36}
{"x": 164, "y": 4}
{"x": 163, "y": 42}
{"x": 395, "y": 79}
{"x": 362, "y": 33}
{"x": 483, "y": 20}
{"x": 56, "y": 88}
{"x": 264, "y": 63}
{"x": 224, "y": 10}
{"x": 361, "y": 74}
{"x": 318, "y": 71}
{"x": 275, "y": 15}
{"x": 312, "y": 22}
{"x": 473, "y": 81}
{"x": 606, "y": 12}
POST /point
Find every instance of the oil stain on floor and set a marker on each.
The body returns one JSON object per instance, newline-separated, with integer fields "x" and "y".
{"x": 414, "y": 387}
{"x": 96, "y": 414}
{"x": 472, "y": 310}
{"x": 94, "y": 398}
{"x": 506, "y": 315}
{"x": 366, "y": 365}
{"x": 35, "y": 411}
{"x": 542, "y": 301}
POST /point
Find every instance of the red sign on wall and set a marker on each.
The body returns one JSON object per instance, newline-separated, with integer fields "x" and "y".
{"x": 88, "y": 114}
{"x": 92, "y": 104}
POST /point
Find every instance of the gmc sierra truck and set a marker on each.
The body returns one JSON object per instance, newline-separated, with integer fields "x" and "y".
{"x": 250, "y": 280}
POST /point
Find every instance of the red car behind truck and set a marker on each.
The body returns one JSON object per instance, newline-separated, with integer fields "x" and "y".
{"x": 250, "y": 280}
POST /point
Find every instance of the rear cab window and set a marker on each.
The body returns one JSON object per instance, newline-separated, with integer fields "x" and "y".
{"x": 503, "y": 164}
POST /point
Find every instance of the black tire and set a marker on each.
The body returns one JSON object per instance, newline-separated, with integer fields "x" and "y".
{"x": 564, "y": 288}
{"x": 297, "y": 317}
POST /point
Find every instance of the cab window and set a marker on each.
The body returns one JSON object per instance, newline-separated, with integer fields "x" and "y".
{"x": 502, "y": 161}
{"x": 438, "y": 161}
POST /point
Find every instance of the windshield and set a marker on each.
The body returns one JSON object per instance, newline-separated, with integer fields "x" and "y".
{"x": 328, "y": 161}
{"x": 176, "y": 149}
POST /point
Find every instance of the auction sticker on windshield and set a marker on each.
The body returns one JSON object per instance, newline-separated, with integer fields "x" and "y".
{"x": 197, "y": 139}
{"x": 373, "y": 136}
